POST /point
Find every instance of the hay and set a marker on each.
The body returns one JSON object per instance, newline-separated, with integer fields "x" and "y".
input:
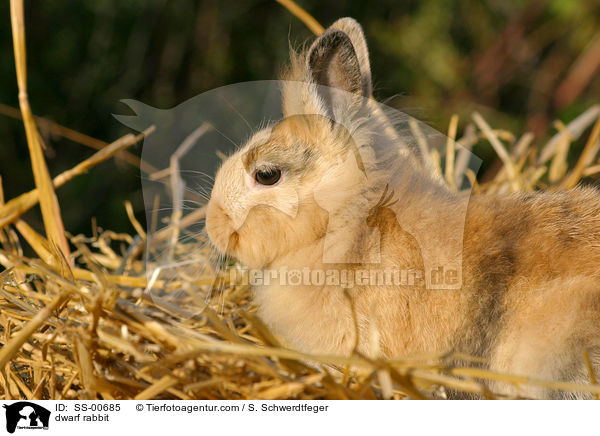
{"x": 79, "y": 325}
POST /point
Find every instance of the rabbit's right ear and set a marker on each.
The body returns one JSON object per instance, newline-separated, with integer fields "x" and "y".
{"x": 332, "y": 62}
{"x": 355, "y": 51}
{"x": 339, "y": 60}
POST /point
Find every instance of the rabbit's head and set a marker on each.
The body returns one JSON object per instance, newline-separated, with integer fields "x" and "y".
{"x": 275, "y": 194}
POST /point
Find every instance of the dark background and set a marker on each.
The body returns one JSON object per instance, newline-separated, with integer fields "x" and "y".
{"x": 521, "y": 63}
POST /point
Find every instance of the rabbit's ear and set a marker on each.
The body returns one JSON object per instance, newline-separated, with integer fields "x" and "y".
{"x": 339, "y": 58}
{"x": 355, "y": 32}
{"x": 338, "y": 62}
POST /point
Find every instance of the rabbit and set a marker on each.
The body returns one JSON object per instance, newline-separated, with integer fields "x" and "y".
{"x": 325, "y": 188}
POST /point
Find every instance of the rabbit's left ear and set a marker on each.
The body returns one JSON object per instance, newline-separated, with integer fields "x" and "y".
{"x": 339, "y": 58}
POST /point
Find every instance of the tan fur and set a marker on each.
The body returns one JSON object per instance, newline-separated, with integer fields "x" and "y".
{"x": 530, "y": 296}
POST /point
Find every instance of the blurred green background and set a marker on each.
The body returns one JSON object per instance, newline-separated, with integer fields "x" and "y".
{"x": 521, "y": 63}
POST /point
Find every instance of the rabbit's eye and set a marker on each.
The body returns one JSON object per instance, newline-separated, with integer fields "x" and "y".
{"x": 268, "y": 177}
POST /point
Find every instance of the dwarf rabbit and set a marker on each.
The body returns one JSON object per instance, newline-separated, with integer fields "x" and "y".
{"x": 325, "y": 189}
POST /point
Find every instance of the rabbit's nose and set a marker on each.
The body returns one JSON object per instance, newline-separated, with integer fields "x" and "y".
{"x": 213, "y": 211}
{"x": 218, "y": 223}
{"x": 217, "y": 211}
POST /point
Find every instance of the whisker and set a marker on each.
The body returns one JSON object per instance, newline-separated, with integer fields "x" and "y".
{"x": 226, "y": 137}
{"x": 237, "y": 112}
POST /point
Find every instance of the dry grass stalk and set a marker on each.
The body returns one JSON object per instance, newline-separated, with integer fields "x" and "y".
{"x": 450, "y": 150}
{"x": 500, "y": 150}
{"x": 303, "y": 16}
{"x": 575, "y": 128}
{"x": 48, "y": 201}
{"x": 585, "y": 159}
{"x": 178, "y": 185}
{"x": 16, "y": 207}
{"x": 48, "y": 126}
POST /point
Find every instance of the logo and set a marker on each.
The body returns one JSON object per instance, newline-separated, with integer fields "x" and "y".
{"x": 26, "y": 415}
{"x": 373, "y": 189}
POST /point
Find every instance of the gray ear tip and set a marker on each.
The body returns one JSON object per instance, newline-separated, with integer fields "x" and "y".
{"x": 346, "y": 20}
{"x": 346, "y": 39}
{"x": 347, "y": 24}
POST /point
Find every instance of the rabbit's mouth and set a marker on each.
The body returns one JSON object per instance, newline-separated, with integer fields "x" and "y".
{"x": 220, "y": 229}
